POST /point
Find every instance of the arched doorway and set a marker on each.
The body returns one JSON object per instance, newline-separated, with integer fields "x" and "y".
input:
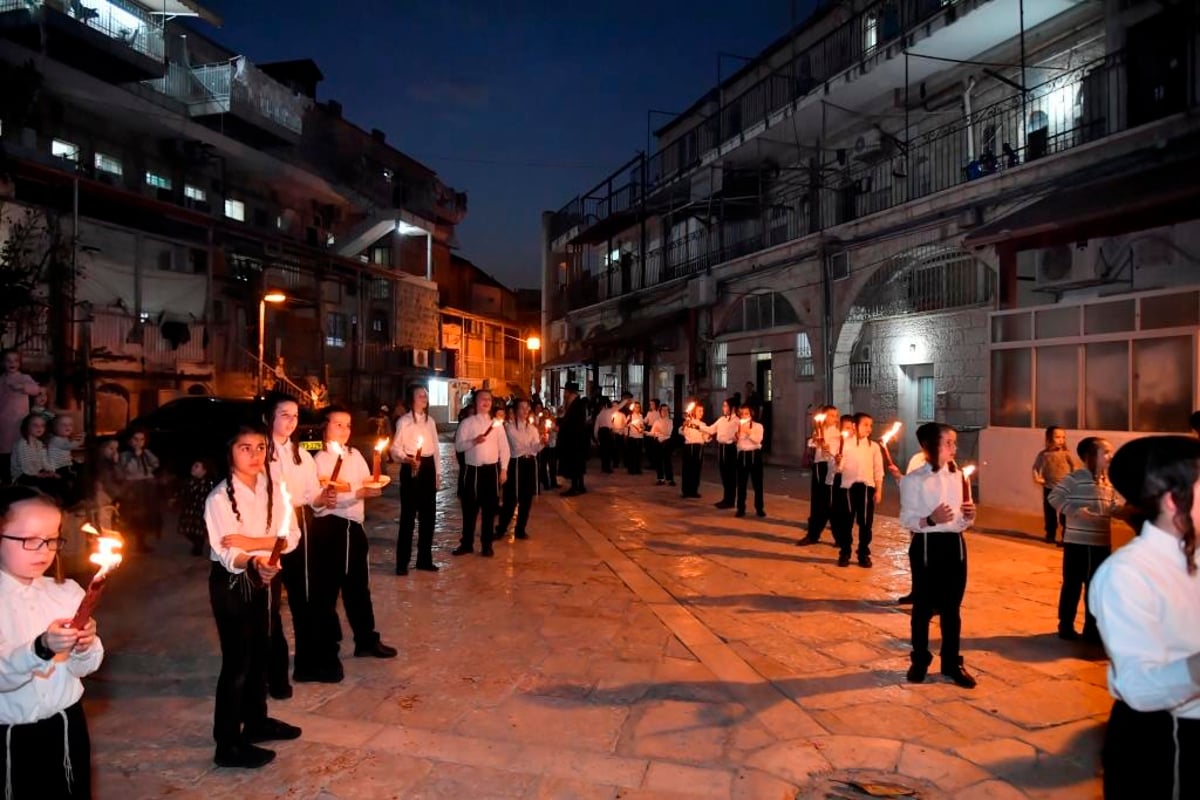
{"x": 112, "y": 408}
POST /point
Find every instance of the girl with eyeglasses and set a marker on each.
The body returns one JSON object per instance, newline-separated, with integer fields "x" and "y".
{"x": 47, "y": 752}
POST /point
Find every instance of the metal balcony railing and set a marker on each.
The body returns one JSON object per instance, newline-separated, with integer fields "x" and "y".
{"x": 119, "y": 20}
{"x": 123, "y": 338}
{"x": 234, "y": 86}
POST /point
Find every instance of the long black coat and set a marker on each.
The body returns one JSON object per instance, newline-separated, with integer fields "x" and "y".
{"x": 574, "y": 440}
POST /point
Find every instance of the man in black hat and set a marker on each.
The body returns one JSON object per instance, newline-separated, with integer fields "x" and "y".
{"x": 573, "y": 439}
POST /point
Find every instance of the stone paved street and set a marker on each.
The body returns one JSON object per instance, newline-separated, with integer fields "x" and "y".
{"x": 637, "y": 646}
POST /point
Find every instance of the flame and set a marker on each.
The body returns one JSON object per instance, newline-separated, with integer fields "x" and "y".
{"x": 549, "y": 424}
{"x": 845, "y": 435}
{"x": 891, "y": 434}
{"x": 382, "y": 443}
{"x": 106, "y": 556}
{"x": 420, "y": 443}
{"x": 286, "y": 520}
{"x": 497, "y": 423}
{"x": 968, "y": 470}
{"x": 689, "y": 408}
{"x": 819, "y": 418}
{"x": 744, "y": 421}
{"x": 335, "y": 448}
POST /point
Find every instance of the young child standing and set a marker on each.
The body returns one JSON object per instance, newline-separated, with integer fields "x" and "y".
{"x": 47, "y": 752}
{"x": 1053, "y": 464}
{"x": 192, "y": 496}
{"x": 244, "y": 515}
{"x": 31, "y": 460}
{"x": 1088, "y": 500}
{"x": 749, "y": 461}
{"x": 139, "y": 468}
{"x": 61, "y": 451}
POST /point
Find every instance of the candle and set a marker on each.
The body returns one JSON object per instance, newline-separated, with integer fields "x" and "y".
{"x": 549, "y": 424}
{"x": 284, "y": 524}
{"x": 495, "y": 424}
{"x": 420, "y": 444}
{"x": 744, "y": 421}
{"x": 107, "y": 558}
{"x": 376, "y": 466}
{"x": 334, "y": 447}
{"x": 967, "y": 472}
{"x": 891, "y": 434}
{"x": 689, "y": 408}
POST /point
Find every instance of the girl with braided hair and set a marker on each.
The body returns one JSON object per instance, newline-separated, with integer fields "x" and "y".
{"x": 243, "y": 515}
{"x": 1146, "y": 600}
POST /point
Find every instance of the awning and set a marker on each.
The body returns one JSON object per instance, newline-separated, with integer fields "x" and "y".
{"x": 656, "y": 333}
{"x": 574, "y": 357}
{"x": 182, "y": 8}
{"x": 1133, "y": 201}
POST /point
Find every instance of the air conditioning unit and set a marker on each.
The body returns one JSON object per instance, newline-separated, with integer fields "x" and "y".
{"x": 420, "y": 358}
{"x": 1064, "y": 265}
{"x": 701, "y": 291}
{"x": 873, "y": 145}
{"x": 439, "y": 360}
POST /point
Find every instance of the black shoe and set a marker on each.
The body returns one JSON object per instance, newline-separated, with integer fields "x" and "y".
{"x": 1092, "y": 637}
{"x": 960, "y": 676}
{"x": 331, "y": 675}
{"x": 865, "y": 561}
{"x": 401, "y": 570}
{"x": 723, "y": 504}
{"x": 1050, "y": 537}
{"x": 843, "y": 561}
{"x": 487, "y": 552}
{"x": 270, "y": 730}
{"x": 427, "y": 567}
{"x": 243, "y": 756}
{"x": 760, "y": 513}
{"x": 1068, "y": 634}
{"x": 522, "y": 535}
{"x": 283, "y": 692}
{"x": 376, "y": 650}
{"x": 462, "y": 550}
{"x": 906, "y": 600}
{"x": 740, "y": 513}
{"x": 916, "y": 673}
{"x": 805, "y": 542}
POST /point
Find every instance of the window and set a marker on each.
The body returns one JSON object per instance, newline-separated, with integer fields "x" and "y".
{"x": 381, "y": 289}
{"x": 336, "y": 330}
{"x": 1162, "y": 382}
{"x": 637, "y": 374}
{"x": 378, "y": 328}
{"x": 381, "y": 256}
{"x": 870, "y": 32}
{"x": 108, "y": 164}
{"x": 439, "y": 393}
{"x": 926, "y": 399}
{"x": 720, "y": 365}
{"x": 194, "y": 193}
{"x": 66, "y": 150}
{"x": 235, "y": 209}
{"x": 1012, "y": 388}
{"x": 158, "y": 181}
{"x": 805, "y": 367}
{"x": 1057, "y": 404}
{"x": 759, "y": 312}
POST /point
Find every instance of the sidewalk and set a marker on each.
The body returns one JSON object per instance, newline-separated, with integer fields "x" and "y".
{"x": 637, "y": 646}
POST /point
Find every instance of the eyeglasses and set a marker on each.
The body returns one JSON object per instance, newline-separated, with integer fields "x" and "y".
{"x": 37, "y": 543}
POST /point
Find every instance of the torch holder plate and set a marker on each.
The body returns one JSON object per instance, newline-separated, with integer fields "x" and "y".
{"x": 383, "y": 481}
{"x": 341, "y": 486}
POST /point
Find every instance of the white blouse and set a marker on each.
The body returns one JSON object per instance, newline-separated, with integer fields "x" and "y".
{"x": 1147, "y": 607}
{"x": 523, "y": 440}
{"x": 408, "y": 430}
{"x": 301, "y": 479}
{"x": 923, "y": 490}
{"x": 252, "y": 507}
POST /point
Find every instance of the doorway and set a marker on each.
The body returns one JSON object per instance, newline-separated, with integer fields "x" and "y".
{"x": 766, "y": 390}
{"x": 917, "y": 405}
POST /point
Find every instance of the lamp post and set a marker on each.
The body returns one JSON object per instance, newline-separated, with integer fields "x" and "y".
{"x": 533, "y": 344}
{"x": 271, "y": 296}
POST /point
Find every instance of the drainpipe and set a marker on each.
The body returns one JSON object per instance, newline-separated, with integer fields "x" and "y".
{"x": 967, "y": 117}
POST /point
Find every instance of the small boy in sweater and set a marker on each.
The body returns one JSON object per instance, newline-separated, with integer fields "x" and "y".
{"x": 1053, "y": 464}
{"x": 1088, "y": 500}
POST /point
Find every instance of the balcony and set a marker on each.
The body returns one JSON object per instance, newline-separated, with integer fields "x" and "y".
{"x": 240, "y": 93}
{"x": 1079, "y": 106}
{"x": 115, "y": 40}
{"x": 119, "y": 343}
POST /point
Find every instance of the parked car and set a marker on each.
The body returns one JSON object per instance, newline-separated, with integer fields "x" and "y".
{"x": 191, "y": 428}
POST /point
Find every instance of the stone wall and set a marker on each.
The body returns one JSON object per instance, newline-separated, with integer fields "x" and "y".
{"x": 417, "y": 314}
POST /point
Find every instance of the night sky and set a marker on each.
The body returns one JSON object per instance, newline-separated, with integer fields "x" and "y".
{"x": 522, "y": 104}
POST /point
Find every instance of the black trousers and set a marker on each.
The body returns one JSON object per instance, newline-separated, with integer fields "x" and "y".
{"x": 939, "y": 578}
{"x": 1140, "y": 752}
{"x": 36, "y": 758}
{"x": 861, "y": 500}
{"x": 337, "y": 564}
{"x": 1080, "y": 562}
{"x": 1052, "y": 519}
{"x": 663, "y": 463}
{"x": 548, "y": 467}
{"x": 418, "y": 505}
{"x": 692, "y": 455}
{"x": 616, "y": 458}
{"x": 604, "y": 440}
{"x": 633, "y": 455}
{"x": 519, "y": 490}
{"x": 821, "y": 497}
{"x": 294, "y": 576}
{"x": 749, "y": 468}
{"x": 727, "y": 464}
{"x": 277, "y": 654}
{"x": 480, "y": 500}
{"x": 651, "y": 447}
{"x": 239, "y": 605}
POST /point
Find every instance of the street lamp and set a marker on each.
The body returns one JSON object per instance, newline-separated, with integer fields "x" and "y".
{"x": 273, "y": 296}
{"x": 533, "y": 343}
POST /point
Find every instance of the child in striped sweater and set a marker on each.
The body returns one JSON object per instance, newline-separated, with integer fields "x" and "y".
{"x": 1088, "y": 501}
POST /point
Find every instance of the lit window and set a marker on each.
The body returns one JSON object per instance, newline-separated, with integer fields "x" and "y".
{"x": 439, "y": 393}
{"x": 65, "y": 150}
{"x": 870, "y": 32}
{"x": 194, "y": 193}
{"x": 157, "y": 181}
{"x": 106, "y": 163}
{"x": 721, "y": 365}
{"x": 805, "y": 367}
{"x": 336, "y": 330}
{"x": 235, "y": 209}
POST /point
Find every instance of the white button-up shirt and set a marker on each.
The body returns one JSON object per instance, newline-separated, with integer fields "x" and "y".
{"x": 493, "y": 450}
{"x": 922, "y": 490}
{"x": 726, "y": 429}
{"x": 408, "y": 430}
{"x": 354, "y": 472}
{"x": 862, "y": 462}
{"x": 31, "y": 689}
{"x": 694, "y": 431}
{"x": 827, "y": 445}
{"x": 749, "y": 436}
{"x": 523, "y": 440}
{"x": 636, "y": 426}
{"x": 661, "y": 429}
{"x": 302, "y": 484}
{"x": 252, "y": 507}
{"x": 604, "y": 419}
{"x": 1147, "y": 607}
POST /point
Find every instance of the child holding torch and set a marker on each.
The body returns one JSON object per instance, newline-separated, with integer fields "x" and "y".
{"x": 245, "y": 515}
{"x": 749, "y": 461}
{"x": 415, "y": 447}
{"x": 47, "y": 752}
